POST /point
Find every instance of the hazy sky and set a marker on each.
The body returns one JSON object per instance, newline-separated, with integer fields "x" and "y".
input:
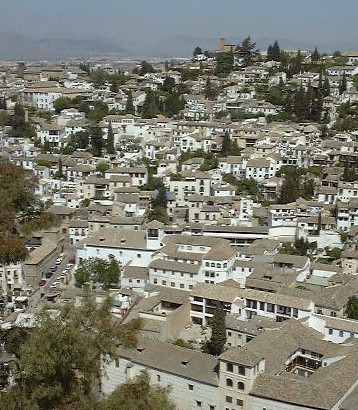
{"x": 149, "y": 21}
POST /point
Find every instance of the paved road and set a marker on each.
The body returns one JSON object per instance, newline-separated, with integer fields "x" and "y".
{"x": 36, "y": 297}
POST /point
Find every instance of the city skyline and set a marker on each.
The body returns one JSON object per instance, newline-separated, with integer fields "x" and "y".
{"x": 140, "y": 25}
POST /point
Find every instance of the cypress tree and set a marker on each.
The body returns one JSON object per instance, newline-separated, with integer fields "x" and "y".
{"x": 307, "y": 102}
{"x": 299, "y": 108}
{"x": 315, "y": 56}
{"x": 96, "y": 141}
{"x": 276, "y": 51}
{"x": 208, "y": 90}
{"x": 326, "y": 88}
{"x": 150, "y": 105}
{"x": 343, "y": 84}
{"x": 129, "y": 103}
{"x": 218, "y": 332}
{"x": 110, "y": 140}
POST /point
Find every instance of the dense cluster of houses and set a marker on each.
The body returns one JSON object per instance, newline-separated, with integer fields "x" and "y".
{"x": 289, "y": 340}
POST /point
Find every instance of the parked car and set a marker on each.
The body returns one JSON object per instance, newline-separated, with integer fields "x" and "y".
{"x": 58, "y": 261}
{"x": 53, "y": 269}
{"x": 48, "y": 274}
{"x": 55, "y": 284}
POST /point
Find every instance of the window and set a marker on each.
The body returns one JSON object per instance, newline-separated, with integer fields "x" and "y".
{"x": 242, "y": 370}
{"x": 228, "y": 399}
{"x": 270, "y": 307}
{"x": 198, "y": 403}
{"x": 116, "y": 362}
{"x": 158, "y": 378}
{"x": 341, "y": 333}
{"x": 229, "y": 367}
{"x": 164, "y": 282}
{"x": 229, "y": 382}
{"x": 240, "y": 386}
{"x": 240, "y": 403}
{"x": 191, "y": 387}
{"x": 330, "y": 331}
{"x": 139, "y": 255}
{"x": 172, "y": 284}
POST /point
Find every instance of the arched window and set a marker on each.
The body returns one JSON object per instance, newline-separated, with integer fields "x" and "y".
{"x": 212, "y": 264}
{"x": 240, "y": 386}
{"x": 229, "y": 382}
{"x": 229, "y": 367}
{"x": 242, "y": 370}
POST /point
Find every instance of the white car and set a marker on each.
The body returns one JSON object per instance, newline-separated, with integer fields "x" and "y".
{"x": 55, "y": 284}
{"x": 58, "y": 261}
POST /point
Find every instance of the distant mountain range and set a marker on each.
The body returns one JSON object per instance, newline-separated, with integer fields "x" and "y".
{"x": 14, "y": 46}
{"x": 61, "y": 46}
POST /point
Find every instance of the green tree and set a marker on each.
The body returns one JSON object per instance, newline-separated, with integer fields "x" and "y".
{"x": 80, "y": 139}
{"x": 99, "y": 111}
{"x": 343, "y": 84}
{"x": 224, "y": 64}
{"x": 102, "y": 167}
{"x": 315, "y": 56}
{"x": 335, "y": 253}
{"x": 352, "y": 308}
{"x": 62, "y": 103}
{"x": 138, "y": 394}
{"x": 355, "y": 81}
{"x": 111, "y": 274}
{"x": 150, "y": 105}
{"x": 110, "y": 140}
{"x": 247, "y": 51}
{"x": 209, "y": 92}
{"x": 290, "y": 190}
{"x": 96, "y": 137}
{"x": 317, "y": 105}
{"x": 59, "y": 174}
{"x": 229, "y": 147}
{"x": 173, "y": 103}
{"x": 129, "y": 103}
{"x": 98, "y": 77}
{"x": 82, "y": 276}
{"x": 19, "y": 207}
{"x": 218, "y": 332}
{"x": 197, "y": 51}
{"x": 18, "y": 121}
{"x": 326, "y": 88}
{"x": 274, "y": 52}
{"x": 168, "y": 85}
{"x": 63, "y": 372}
{"x": 145, "y": 68}
{"x": 158, "y": 209}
